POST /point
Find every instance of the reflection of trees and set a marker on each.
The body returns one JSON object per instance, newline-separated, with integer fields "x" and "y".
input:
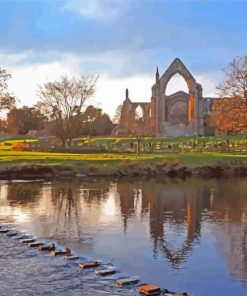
{"x": 131, "y": 196}
{"x": 23, "y": 193}
{"x": 127, "y": 192}
{"x": 69, "y": 199}
{"x": 230, "y": 209}
{"x": 244, "y": 242}
{"x": 66, "y": 207}
{"x": 18, "y": 198}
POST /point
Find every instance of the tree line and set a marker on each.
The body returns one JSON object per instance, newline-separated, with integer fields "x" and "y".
{"x": 61, "y": 110}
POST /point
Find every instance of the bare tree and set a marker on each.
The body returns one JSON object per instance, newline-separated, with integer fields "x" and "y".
{"x": 64, "y": 101}
{"x": 235, "y": 84}
{"x": 140, "y": 130}
{"x": 6, "y": 99}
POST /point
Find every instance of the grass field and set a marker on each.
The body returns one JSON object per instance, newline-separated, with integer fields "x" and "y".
{"x": 9, "y": 158}
{"x": 104, "y": 141}
{"x": 113, "y": 160}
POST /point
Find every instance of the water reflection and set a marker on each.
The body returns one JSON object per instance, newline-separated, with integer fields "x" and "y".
{"x": 174, "y": 216}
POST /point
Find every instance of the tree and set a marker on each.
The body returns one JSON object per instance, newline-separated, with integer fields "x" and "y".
{"x": 235, "y": 84}
{"x": 88, "y": 117}
{"x": 103, "y": 125}
{"x": 95, "y": 122}
{"x": 24, "y": 119}
{"x": 229, "y": 113}
{"x": 64, "y": 101}
{"x": 140, "y": 130}
{"x": 6, "y": 99}
{"x": 2, "y": 125}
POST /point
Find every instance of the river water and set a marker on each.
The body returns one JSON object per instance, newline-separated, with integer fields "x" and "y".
{"x": 180, "y": 234}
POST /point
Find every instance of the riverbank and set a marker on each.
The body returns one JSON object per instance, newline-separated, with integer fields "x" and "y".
{"x": 41, "y": 165}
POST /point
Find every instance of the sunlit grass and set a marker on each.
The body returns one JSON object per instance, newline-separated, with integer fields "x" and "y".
{"x": 12, "y": 141}
{"x": 111, "y": 159}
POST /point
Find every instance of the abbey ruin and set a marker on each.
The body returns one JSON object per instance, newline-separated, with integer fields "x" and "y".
{"x": 179, "y": 114}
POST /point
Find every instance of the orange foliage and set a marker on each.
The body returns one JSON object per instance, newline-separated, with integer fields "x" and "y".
{"x": 20, "y": 146}
{"x": 229, "y": 115}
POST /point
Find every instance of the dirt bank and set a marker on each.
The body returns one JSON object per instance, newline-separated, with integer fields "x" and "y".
{"x": 34, "y": 172}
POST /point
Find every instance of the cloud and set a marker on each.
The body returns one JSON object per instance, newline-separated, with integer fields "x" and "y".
{"x": 99, "y": 10}
{"x": 208, "y": 81}
{"x": 110, "y": 91}
{"x": 117, "y": 71}
{"x": 25, "y": 80}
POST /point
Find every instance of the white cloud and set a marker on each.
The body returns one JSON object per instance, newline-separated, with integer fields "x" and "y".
{"x": 176, "y": 83}
{"x": 110, "y": 91}
{"x": 101, "y": 10}
{"x": 25, "y": 80}
{"x": 207, "y": 80}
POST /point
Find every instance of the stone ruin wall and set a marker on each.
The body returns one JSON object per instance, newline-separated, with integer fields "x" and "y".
{"x": 160, "y": 113}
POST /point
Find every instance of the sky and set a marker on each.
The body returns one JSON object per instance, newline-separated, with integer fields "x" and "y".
{"x": 122, "y": 41}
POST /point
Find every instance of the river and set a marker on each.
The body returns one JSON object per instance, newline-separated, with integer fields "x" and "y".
{"x": 180, "y": 234}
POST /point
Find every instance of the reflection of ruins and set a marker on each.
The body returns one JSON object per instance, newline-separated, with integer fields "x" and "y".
{"x": 175, "y": 212}
{"x": 178, "y": 114}
{"x": 171, "y": 206}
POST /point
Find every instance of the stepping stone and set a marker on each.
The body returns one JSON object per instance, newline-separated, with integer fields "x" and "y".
{"x": 106, "y": 271}
{"x": 128, "y": 281}
{"x": 149, "y": 289}
{"x": 10, "y": 234}
{"x": 28, "y": 240}
{"x": 22, "y": 236}
{"x": 35, "y": 244}
{"x": 4, "y": 230}
{"x": 45, "y": 247}
{"x": 71, "y": 257}
{"x": 89, "y": 264}
{"x": 57, "y": 252}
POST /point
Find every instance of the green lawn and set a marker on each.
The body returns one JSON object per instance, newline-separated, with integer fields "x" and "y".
{"x": 108, "y": 160}
{"x": 105, "y": 142}
{"x": 170, "y": 140}
{"x": 8, "y": 158}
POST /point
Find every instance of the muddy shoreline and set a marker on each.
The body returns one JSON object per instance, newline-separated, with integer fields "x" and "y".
{"x": 36, "y": 172}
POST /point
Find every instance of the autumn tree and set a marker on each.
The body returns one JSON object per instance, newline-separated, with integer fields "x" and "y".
{"x": 229, "y": 113}
{"x": 6, "y": 99}
{"x": 22, "y": 120}
{"x": 64, "y": 100}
